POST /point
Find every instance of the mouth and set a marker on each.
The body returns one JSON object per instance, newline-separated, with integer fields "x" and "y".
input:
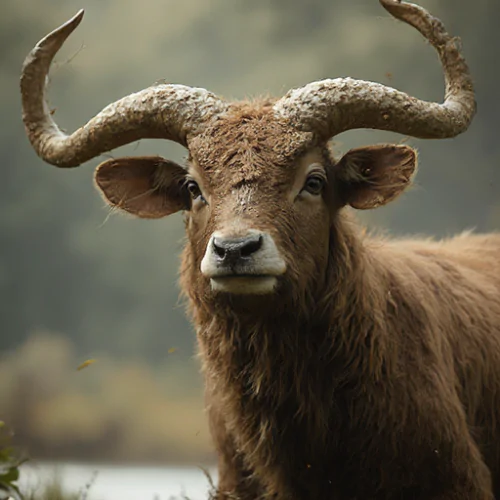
{"x": 242, "y": 284}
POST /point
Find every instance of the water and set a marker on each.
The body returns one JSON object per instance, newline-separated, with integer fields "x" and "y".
{"x": 121, "y": 483}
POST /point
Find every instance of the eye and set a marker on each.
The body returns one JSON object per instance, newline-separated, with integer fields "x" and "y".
{"x": 314, "y": 184}
{"x": 194, "y": 190}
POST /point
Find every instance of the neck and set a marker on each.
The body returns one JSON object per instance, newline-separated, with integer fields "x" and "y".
{"x": 330, "y": 323}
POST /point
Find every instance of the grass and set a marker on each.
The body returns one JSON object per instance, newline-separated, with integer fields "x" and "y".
{"x": 9, "y": 467}
{"x": 53, "y": 490}
{"x": 10, "y": 471}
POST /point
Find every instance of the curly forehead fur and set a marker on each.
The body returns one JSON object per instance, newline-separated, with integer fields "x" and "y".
{"x": 246, "y": 141}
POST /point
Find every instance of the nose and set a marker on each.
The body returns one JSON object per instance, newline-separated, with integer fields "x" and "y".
{"x": 231, "y": 251}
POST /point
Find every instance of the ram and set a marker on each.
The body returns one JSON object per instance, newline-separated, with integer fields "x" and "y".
{"x": 337, "y": 365}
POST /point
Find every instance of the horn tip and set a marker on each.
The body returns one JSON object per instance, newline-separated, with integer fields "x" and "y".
{"x": 69, "y": 26}
{"x": 385, "y": 3}
{"x": 60, "y": 34}
{"x": 395, "y": 6}
{"x": 74, "y": 21}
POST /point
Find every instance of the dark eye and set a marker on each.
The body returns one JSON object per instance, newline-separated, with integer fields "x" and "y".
{"x": 194, "y": 190}
{"x": 314, "y": 184}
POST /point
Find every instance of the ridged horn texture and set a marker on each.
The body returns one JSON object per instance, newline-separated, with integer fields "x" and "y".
{"x": 329, "y": 107}
{"x": 173, "y": 112}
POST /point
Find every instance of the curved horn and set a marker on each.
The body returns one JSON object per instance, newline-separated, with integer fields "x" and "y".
{"x": 172, "y": 112}
{"x": 330, "y": 107}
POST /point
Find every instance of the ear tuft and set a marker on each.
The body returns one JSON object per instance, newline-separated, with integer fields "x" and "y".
{"x": 148, "y": 187}
{"x": 372, "y": 176}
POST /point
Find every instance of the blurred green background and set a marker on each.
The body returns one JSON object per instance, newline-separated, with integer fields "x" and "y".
{"x": 79, "y": 283}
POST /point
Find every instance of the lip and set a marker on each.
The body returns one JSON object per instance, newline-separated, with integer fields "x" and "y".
{"x": 244, "y": 284}
{"x": 242, "y": 275}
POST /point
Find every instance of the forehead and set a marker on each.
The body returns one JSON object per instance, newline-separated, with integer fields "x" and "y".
{"x": 249, "y": 144}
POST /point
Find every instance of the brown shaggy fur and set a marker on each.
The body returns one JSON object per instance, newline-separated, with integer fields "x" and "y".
{"x": 373, "y": 371}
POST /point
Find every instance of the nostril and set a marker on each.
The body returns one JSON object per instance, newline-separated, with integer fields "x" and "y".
{"x": 219, "y": 248}
{"x": 231, "y": 250}
{"x": 251, "y": 246}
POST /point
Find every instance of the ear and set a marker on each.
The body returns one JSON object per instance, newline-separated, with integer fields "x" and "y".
{"x": 148, "y": 187}
{"x": 372, "y": 176}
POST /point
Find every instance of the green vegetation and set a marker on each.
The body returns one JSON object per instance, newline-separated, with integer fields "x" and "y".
{"x": 9, "y": 467}
{"x": 10, "y": 471}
